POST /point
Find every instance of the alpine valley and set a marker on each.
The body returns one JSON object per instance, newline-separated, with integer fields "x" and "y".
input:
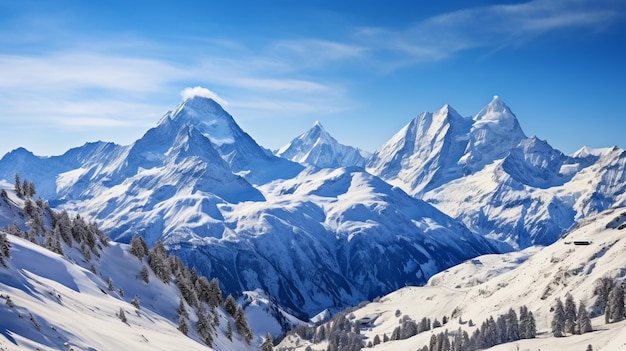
{"x": 302, "y": 234}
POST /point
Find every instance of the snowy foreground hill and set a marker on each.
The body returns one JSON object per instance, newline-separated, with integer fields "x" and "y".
{"x": 84, "y": 292}
{"x": 312, "y": 239}
{"x": 466, "y": 295}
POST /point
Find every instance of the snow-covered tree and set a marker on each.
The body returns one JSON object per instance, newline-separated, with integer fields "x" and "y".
{"x": 583, "y": 322}
{"x": 138, "y": 247}
{"x": 203, "y": 326}
{"x": 122, "y": 316}
{"x": 512, "y": 323}
{"x": 229, "y": 331}
{"x": 268, "y": 343}
{"x": 570, "y": 314}
{"x": 602, "y": 289}
{"x": 615, "y": 309}
{"x": 135, "y": 302}
{"x": 230, "y": 305}
{"x": 158, "y": 261}
{"x": 145, "y": 275}
{"x": 241, "y": 324}
{"x": 5, "y": 247}
{"x": 558, "y": 319}
{"x": 18, "y": 185}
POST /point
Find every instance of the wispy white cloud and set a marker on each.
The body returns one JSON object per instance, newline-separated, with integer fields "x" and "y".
{"x": 189, "y": 93}
{"x": 497, "y": 26}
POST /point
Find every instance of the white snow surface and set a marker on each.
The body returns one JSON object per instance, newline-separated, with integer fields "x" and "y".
{"x": 491, "y": 285}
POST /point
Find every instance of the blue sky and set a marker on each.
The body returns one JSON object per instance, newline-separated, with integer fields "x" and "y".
{"x": 78, "y": 71}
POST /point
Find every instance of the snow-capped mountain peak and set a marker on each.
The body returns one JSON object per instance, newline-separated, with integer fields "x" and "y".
{"x": 317, "y": 147}
{"x": 494, "y": 133}
{"x": 206, "y": 115}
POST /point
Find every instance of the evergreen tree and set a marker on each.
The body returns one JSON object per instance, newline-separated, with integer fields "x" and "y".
{"x": 5, "y": 248}
{"x": 182, "y": 325}
{"x": 138, "y": 247}
{"x": 395, "y": 334}
{"x": 53, "y": 241}
{"x": 110, "y": 284}
{"x": 268, "y": 343}
{"x": 135, "y": 302}
{"x": 158, "y": 261}
{"x": 182, "y": 310}
{"x": 63, "y": 222}
{"x": 230, "y": 305}
{"x": 122, "y": 315}
{"x": 615, "y": 309}
{"x": 18, "y": 185}
{"x": 145, "y": 275}
{"x": 241, "y": 325}
{"x": 432, "y": 345}
{"x": 602, "y": 289}
{"x": 531, "y": 330}
{"x": 558, "y": 319}
{"x": 584, "y": 322}
{"x": 589, "y": 347}
{"x": 229, "y": 331}
{"x": 570, "y": 314}
{"x": 203, "y": 326}
{"x": 376, "y": 340}
{"x": 513, "y": 330}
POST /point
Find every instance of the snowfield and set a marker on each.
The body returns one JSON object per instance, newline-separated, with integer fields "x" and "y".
{"x": 490, "y": 285}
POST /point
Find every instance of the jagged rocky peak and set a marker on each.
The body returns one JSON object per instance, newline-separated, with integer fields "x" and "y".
{"x": 206, "y": 115}
{"x": 317, "y": 147}
{"x": 494, "y": 133}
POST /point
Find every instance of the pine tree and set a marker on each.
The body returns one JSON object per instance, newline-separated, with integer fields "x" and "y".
{"x": 513, "y": 330}
{"x": 268, "y": 343}
{"x": 589, "y": 347}
{"x": 602, "y": 289}
{"x": 558, "y": 319}
{"x": 230, "y": 305}
{"x": 158, "y": 261}
{"x": 135, "y": 302}
{"x": 229, "y": 331}
{"x": 241, "y": 324}
{"x": 5, "y": 247}
{"x": 182, "y": 325}
{"x": 570, "y": 314}
{"x": 122, "y": 315}
{"x": 615, "y": 308}
{"x": 376, "y": 340}
{"x": 63, "y": 222}
{"x": 203, "y": 326}
{"x": 531, "y": 330}
{"x": 584, "y": 322}
{"x": 182, "y": 310}
{"x": 145, "y": 275}
{"x": 110, "y": 284}
{"x": 138, "y": 247}
{"x": 18, "y": 185}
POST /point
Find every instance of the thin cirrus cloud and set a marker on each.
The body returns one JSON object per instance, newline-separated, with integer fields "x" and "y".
{"x": 441, "y": 37}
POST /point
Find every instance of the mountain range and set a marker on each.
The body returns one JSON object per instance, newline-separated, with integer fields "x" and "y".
{"x": 326, "y": 226}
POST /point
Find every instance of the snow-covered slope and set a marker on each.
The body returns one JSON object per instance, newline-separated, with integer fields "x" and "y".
{"x": 534, "y": 194}
{"x": 317, "y": 147}
{"x": 331, "y": 238}
{"x": 491, "y": 285}
{"x": 75, "y": 300}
